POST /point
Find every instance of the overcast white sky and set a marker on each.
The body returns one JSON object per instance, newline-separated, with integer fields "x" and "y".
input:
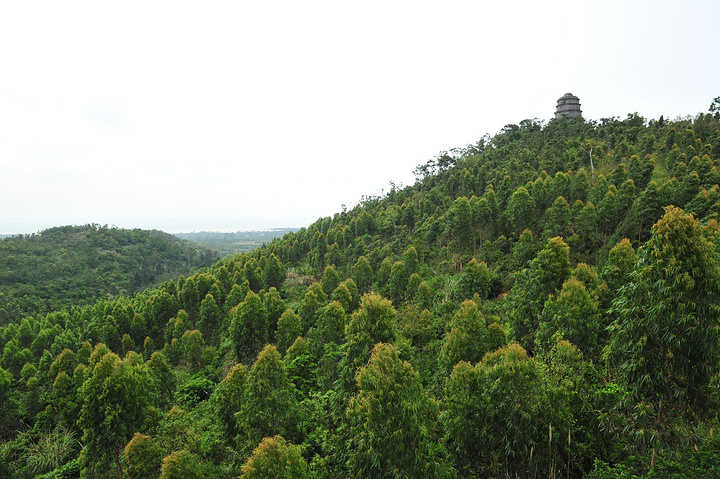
{"x": 188, "y": 116}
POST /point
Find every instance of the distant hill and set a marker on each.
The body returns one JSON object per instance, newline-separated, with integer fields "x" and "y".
{"x": 77, "y": 265}
{"x": 235, "y": 243}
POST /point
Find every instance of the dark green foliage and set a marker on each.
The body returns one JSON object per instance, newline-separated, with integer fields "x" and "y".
{"x": 664, "y": 344}
{"x": 415, "y": 290}
{"x": 65, "y": 361}
{"x": 192, "y": 345}
{"x": 500, "y": 414}
{"x": 275, "y": 307}
{"x": 466, "y": 339}
{"x": 525, "y": 249}
{"x": 330, "y": 328}
{"x": 6, "y": 406}
{"x": 47, "y": 455}
{"x": 288, "y": 329}
{"x": 159, "y": 308}
{"x": 398, "y": 282}
{"x": 392, "y": 421}
{"x": 65, "y": 400}
{"x": 459, "y": 223}
{"x": 210, "y": 316}
{"x": 309, "y": 307}
{"x": 77, "y": 265}
{"x": 237, "y": 295}
{"x": 697, "y": 461}
{"x": 544, "y": 277}
{"x": 248, "y": 328}
{"x": 298, "y": 348}
{"x": 418, "y": 326}
{"x": 164, "y": 378}
{"x": 649, "y": 209}
{"x": 383, "y": 274}
{"x": 411, "y": 260}
{"x": 619, "y": 265}
{"x": 574, "y": 316}
{"x": 342, "y": 295}
{"x": 193, "y": 429}
{"x": 228, "y": 396}
{"x": 115, "y": 402}
{"x": 330, "y": 280}
{"x": 301, "y": 366}
{"x": 556, "y": 220}
{"x": 269, "y": 406}
{"x": 585, "y": 240}
{"x": 475, "y": 279}
{"x": 354, "y": 294}
{"x": 521, "y": 211}
{"x": 194, "y": 389}
{"x": 274, "y": 272}
{"x": 374, "y": 322}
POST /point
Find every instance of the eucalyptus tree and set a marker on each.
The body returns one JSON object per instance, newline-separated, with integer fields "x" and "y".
{"x": 375, "y": 322}
{"x": 116, "y": 399}
{"x": 275, "y": 458}
{"x": 269, "y": 406}
{"x": 248, "y": 327}
{"x": 392, "y": 421}
{"x": 665, "y": 343}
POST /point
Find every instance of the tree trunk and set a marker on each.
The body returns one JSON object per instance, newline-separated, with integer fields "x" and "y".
{"x": 653, "y": 459}
{"x": 118, "y": 464}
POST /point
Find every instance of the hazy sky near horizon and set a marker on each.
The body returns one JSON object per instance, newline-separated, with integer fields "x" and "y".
{"x": 233, "y": 115}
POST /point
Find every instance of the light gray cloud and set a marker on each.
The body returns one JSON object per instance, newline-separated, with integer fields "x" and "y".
{"x": 107, "y": 115}
{"x": 277, "y": 113}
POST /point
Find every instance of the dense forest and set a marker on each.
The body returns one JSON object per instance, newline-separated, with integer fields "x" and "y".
{"x": 231, "y": 243}
{"x": 78, "y": 265}
{"x": 543, "y": 303}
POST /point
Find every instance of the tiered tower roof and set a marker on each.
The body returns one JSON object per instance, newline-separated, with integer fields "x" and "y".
{"x": 568, "y": 106}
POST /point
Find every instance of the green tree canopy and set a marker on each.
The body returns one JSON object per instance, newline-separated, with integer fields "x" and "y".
{"x": 248, "y": 329}
{"x": 181, "y": 465}
{"x": 374, "y": 322}
{"x": 275, "y": 458}
{"x": 288, "y": 329}
{"x": 228, "y": 397}
{"x": 116, "y": 398}
{"x": 544, "y": 278}
{"x": 499, "y": 413}
{"x": 363, "y": 275}
{"x": 269, "y": 406}
{"x": 520, "y": 211}
{"x": 573, "y": 316}
{"x": 475, "y": 279}
{"x": 392, "y": 421}
{"x": 665, "y": 344}
{"x": 467, "y": 338}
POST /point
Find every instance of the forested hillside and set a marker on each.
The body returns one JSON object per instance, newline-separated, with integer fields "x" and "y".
{"x": 544, "y": 303}
{"x": 77, "y": 265}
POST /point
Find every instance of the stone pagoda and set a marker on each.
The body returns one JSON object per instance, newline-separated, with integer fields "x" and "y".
{"x": 568, "y": 106}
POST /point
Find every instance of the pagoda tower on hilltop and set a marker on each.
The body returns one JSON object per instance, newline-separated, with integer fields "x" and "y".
{"x": 568, "y": 106}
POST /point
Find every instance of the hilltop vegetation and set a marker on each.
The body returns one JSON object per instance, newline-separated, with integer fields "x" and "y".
{"x": 542, "y": 303}
{"x": 77, "y": 265}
